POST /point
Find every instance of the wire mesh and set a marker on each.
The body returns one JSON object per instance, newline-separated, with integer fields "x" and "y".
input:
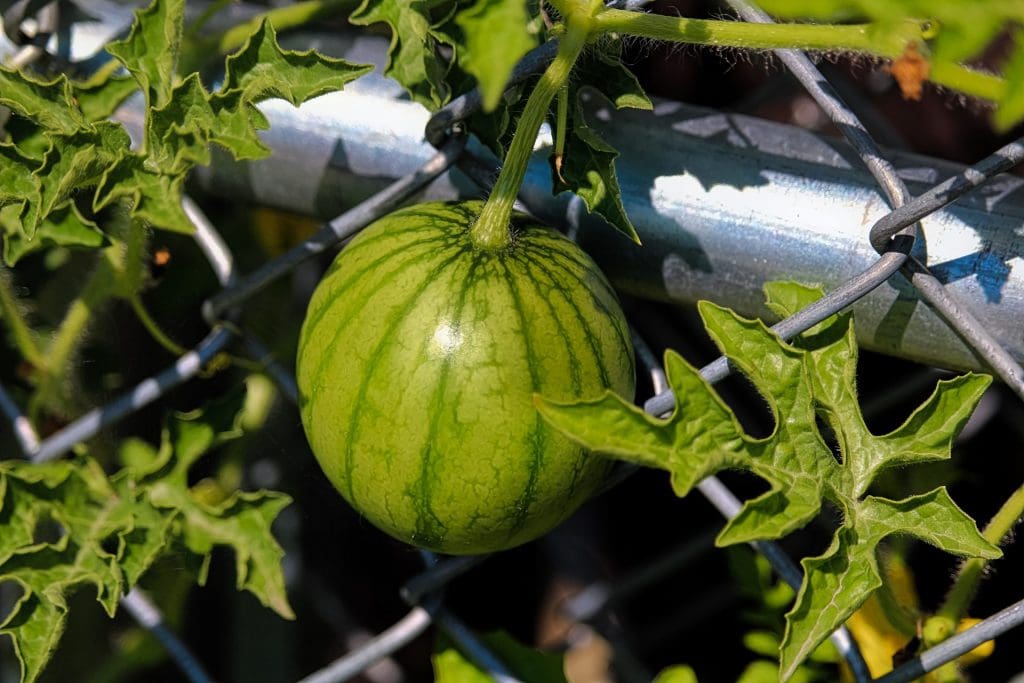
{"x": 894, "y": 236}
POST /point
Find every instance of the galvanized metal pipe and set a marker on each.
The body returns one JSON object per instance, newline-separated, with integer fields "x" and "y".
{"x": 722, "y": 202}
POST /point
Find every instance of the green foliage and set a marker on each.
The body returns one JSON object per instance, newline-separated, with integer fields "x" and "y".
{"x": 497, "y": 35}
{"x": 770, "y": 597}
{"x": 587, "y": 166}
{"x": 959, "y": 35}
{"x": 414, "y": 59}
{"x": 65, "y": 146}
{"x": 677, "y": 674}
{"x": 66, "y": 525}
{"x": 526, "y": 664}
{"x": 811, "y": 378}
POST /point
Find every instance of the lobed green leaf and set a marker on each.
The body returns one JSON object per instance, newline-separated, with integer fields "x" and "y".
{"x": 413, "y": 56}
{"x": 150, "y": 52}
{"x": 810, "y": 378}
{"x": 65, "y": 226}
{"x": 587, "y": 165}
{"x": 50, "y": 104}
{"x": 497, "y": 35}
{"x": 65, "y": 526}
{"x": 261, "y": 70}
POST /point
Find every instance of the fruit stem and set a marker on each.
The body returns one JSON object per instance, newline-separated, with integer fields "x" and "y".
{"x": 491, "y": 230}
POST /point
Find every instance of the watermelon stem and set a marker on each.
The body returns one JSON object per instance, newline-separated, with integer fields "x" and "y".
{"x": 492, "y": 228}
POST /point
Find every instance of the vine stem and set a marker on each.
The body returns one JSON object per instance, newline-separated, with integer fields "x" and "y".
{"x": 971, "y": 571}
{"x": 868, "y": 38}
{"x": 66, "y": 339}
{"x": 22, "y": 333}
{"x": 968, "y": 81}
{"x": 491, "y": 229}
{"x": 864, "y": 38}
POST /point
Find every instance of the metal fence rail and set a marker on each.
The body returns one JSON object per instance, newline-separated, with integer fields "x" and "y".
{"x": 966, "y": 324}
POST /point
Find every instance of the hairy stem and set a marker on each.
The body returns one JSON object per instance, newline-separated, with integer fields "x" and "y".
{"x": 491, "y": 230}
{"x": 866, "y": 38}
{"x": 66, "y": 339}
{"x": 118, "y": 272}
{"x": 959, "y": 598}
{"x": 23, "y": 336}
{"x": 968, "y": 81}
{"x": 154, "y": 329}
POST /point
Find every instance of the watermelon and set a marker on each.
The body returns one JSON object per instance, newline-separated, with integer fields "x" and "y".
{"x": 417, "y": 364}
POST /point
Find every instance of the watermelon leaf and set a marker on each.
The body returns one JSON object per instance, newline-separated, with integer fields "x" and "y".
{"x": 66, "y": 525}
{"x": 261, "y": 70}
{"x": 811, "y": 378}
{"x": 150, "y": 52}
{"x": 65, "y": 227}
{"x": 414, "y": 57}
{"x": 497, "y": 36}
{"x": 587, "y": 164}
{"x": 65, "y": 144}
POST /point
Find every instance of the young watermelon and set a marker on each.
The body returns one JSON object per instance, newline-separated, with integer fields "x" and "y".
{"x": 417, "y": 364}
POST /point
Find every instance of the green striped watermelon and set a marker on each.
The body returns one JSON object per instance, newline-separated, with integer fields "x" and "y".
{"x": 417, "y": 363}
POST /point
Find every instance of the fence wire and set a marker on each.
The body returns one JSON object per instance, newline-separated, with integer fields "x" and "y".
{"x": 893, "y": 236}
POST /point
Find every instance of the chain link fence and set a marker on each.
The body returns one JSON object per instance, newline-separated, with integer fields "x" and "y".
{"x": 896, "y": 237}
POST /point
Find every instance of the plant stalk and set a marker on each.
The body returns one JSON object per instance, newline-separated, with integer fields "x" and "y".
{"x": 867, "y": 38}
{"x": 20, "y": 331}
{"x": 959, "y": 598}
{"x": 491, "y": 230}
{"x": 66, "y": 339}
{"x": 968, "y": 81}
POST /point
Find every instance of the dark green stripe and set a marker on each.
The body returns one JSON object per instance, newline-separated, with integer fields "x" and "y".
{"x": 570, "y": 252}
{"x": 375, "y": 357}
{"x": 355, "y": 308}
{"x": 585, "y": 324}
{"x": 579, "y": 462}
{"x": 430, "y": 528}
{"x": 596, "y": 352}
{"x": 538, "y": 435}
{"x": 327, "y": 292}
{"x": 574, "y": 361}
{"x": 588, "y": 275}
